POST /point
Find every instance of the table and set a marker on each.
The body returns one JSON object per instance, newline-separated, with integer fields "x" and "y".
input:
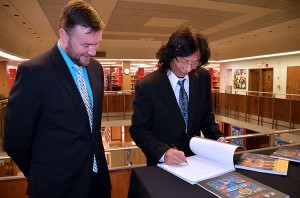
{"x": 154, "y": 182}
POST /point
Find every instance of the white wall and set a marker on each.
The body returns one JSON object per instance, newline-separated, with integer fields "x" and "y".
{"x": 279, "y": 65}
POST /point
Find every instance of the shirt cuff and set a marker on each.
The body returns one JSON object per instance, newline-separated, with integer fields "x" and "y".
{"x": 162, "y": 159}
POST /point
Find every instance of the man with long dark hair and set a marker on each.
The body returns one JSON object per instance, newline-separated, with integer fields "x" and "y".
{"x": 173, "y": 103}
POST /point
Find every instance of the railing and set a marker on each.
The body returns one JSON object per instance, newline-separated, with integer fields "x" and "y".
{"x": 122, "y": 156}
{"x": 128, "y": 149}
{"x": 277, "y": 111}
{"x": 272, "y": 136}
{"x": 117, "y": 105}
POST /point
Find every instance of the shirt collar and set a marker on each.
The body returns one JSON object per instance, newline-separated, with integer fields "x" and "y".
{"x": 69, "y": 62}
{"x": 174, "y": 79}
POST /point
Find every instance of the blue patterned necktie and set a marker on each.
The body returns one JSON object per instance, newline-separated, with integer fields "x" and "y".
{"x": 87, "y": 102}
{"x": 183, "y": 102}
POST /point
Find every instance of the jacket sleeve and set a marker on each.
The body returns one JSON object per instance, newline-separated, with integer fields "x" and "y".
{"x": 141, "y": 128}
{"x": 21, "y": 117}
{"x": 209, "y": 127}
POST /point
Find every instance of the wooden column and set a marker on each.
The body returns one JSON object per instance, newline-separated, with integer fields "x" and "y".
{"x": 126, "y": 77}
{"x": 4, "y": 81}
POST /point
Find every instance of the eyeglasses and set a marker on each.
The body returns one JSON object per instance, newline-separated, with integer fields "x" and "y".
{"x": 183, "y": 62}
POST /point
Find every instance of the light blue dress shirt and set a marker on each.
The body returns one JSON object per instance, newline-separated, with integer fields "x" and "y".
{"x": 71, "y": 64}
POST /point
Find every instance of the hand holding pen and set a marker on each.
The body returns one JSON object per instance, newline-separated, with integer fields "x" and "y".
{"x": 175, "y": 156}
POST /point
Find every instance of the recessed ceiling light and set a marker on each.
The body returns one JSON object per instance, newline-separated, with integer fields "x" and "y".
{"x": 6, "y": 5}
{"x": 9, "y": 56}
{"x": 256, "y": 57}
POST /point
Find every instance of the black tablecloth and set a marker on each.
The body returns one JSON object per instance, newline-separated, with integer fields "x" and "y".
{"x": 154, "y": 182}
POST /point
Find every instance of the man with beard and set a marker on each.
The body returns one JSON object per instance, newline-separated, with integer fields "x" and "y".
{"x": 53, "y": 117}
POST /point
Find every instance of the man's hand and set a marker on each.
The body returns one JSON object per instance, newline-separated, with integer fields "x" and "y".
{"x": 222, "y": 139}
{"x": 174, "y": 156}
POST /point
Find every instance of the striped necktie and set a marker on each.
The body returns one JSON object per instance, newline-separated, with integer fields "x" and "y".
{"x": 183, "y": 103}
{"x": 87, "y": 102}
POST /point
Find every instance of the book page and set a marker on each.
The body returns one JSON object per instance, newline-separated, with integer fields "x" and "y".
{"x": 209, "y": 161}
{"x": 221, "y": 153}
{"x": 197, "y": 169}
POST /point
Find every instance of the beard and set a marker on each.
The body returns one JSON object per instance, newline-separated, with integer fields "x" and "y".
{"x": 73, "y": 56}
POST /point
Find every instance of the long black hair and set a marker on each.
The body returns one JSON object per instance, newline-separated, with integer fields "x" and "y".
{"x": 183, "y": 42}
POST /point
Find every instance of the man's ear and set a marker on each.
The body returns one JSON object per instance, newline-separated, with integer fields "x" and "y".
{"x": 63, "y": 35}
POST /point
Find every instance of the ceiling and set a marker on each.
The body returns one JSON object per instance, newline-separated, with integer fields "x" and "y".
{"x": 137, "y": 28}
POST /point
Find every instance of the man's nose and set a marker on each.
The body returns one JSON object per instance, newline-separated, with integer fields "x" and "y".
{"x": 92, "y": 50}
{"x": 188, "y": 67}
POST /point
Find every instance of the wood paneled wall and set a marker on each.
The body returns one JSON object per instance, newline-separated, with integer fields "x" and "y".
{"x": 2, "y": 113}
{"x": 15, "y": 188}
{"x": 117, "y": 103}
{"x": 120, "y": 183}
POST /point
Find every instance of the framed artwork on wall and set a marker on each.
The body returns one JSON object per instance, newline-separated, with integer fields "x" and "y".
{"x": 239, "y": 78}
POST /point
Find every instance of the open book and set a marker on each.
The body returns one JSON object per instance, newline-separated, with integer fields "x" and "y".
{"x": 234, "y": 184}
{"x": 212, "y": 159}
{"x": 262, "y": 163}
{"x": 291, "y": 153}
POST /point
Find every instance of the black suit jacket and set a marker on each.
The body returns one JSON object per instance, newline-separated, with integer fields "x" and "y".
{"x": 47, "y": 131}
{"x": 157, "y": 122}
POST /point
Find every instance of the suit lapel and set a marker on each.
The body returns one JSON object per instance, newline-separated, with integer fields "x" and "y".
{"x": 95, "y": 89}
{"x": 64, "y": 75}
{"x": 169, "y": 96}
{"x": 193, "y": 86}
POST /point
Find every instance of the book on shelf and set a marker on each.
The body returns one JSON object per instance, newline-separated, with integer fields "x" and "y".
{"x": 291, "y": 153}
{"x": 211, "y": 159}
{"x": 262, "y": 163}
{"x": 234, "y": 184}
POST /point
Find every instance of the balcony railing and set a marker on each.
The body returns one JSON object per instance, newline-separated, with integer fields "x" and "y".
{"x": 277, "y": 111}
{"x": 117, "y": 105}
{"x": 126, "y": 155}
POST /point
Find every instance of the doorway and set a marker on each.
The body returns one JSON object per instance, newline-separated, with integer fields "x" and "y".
{"x": 293, "y": 79}
{"x": 254, "y": 78}
{"x": 267, "y": 82}
{"x": 261, "y": 80}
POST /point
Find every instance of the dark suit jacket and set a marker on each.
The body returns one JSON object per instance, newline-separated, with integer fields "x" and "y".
{"x": 47, "y": 131}
{"x": 157, "y": 122}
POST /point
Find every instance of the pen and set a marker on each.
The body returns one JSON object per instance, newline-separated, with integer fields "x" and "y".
{"x": 174, "y": 147}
